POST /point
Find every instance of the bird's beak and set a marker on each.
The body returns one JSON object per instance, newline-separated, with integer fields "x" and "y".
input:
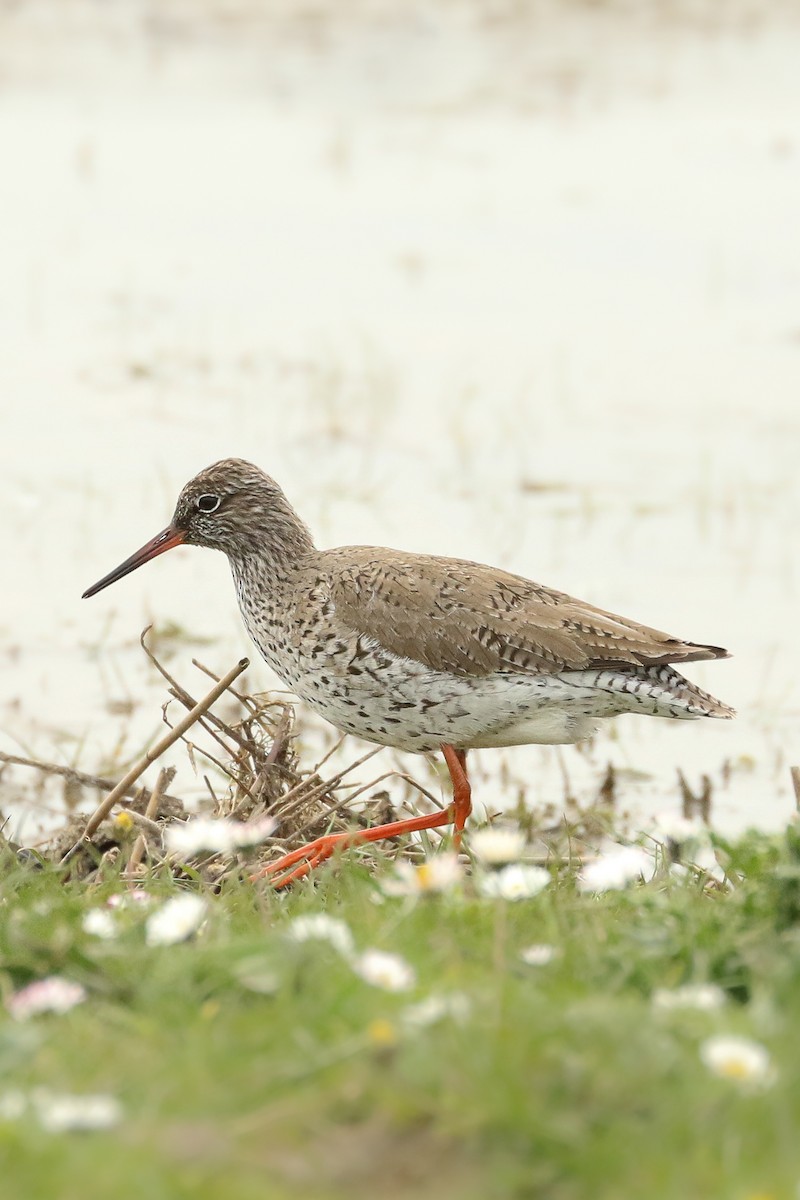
{"x": 165, "y": 540}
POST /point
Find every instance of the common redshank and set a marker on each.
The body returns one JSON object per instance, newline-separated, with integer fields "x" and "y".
{"x": 420, "y": 652}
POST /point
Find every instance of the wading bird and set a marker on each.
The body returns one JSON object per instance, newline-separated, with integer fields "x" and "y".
{"x": 420, "y": 652}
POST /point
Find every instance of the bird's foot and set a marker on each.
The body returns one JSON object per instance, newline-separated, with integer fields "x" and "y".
{"x": 300, "y": 862}
{"x": 303, "y": 860}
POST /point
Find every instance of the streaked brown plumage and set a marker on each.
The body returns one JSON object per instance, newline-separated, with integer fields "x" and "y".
{"x": 486, "y": 620}
{"x": 418, "y": 651}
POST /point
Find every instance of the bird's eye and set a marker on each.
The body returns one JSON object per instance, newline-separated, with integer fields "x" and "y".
{"x": 208, "y": 504}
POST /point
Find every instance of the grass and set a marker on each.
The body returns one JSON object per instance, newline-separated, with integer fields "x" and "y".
{"x": 254, "y": 1065}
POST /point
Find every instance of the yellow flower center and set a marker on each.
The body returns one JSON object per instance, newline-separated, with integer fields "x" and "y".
{"x": 382, "y": 1033}
{"x": 736, "y": 1068}
{"x": 425, "y": 879}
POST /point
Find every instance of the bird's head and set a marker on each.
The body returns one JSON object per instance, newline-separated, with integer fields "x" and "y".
{"x": 230, "y": 506}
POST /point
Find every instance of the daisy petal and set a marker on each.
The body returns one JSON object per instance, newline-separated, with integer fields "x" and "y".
{"x": 615, "y": 869}
{"x": 737, "y": 1058}
{"x": 517, "y": 881}
{"x": 387, "y": 971}
{"x": 53, "y": 994}
{"x": 323, "y": 928}
{"x": 176, "y": 920}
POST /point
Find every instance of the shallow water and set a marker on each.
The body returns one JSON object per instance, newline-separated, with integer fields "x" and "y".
{"x": 526, "y": 292}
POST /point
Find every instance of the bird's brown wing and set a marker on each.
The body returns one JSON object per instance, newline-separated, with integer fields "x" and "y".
{"x": 463, "y": 617}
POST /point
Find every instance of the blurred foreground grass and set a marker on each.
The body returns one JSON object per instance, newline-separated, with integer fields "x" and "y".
{"x": 252, "y": 1064}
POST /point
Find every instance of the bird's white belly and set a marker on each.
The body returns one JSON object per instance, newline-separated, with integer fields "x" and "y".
{"x": 416, "y": 709}
{"x": 364, "y": 690}
{"x": 547, "y": 726}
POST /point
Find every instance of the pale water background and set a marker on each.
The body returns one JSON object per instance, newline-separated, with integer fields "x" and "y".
{"x": 515, "y": 283}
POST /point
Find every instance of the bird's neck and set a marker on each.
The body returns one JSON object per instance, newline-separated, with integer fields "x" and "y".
{"x": 267, "y": 580}
{"x": 272, "y": 556}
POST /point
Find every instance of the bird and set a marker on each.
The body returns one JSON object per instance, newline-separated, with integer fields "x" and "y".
{"x": 420, "y": 652}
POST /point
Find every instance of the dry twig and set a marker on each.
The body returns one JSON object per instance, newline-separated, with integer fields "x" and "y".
{"x": 696, "y": 805}
{"x": 165, "y": 777}
{"x": 153, "y": 754}
{"x": 795, "y": 774}
{"x": 75, "y": 777}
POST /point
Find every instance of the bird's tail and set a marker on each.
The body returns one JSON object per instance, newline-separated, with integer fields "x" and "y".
{"x": 672, "y": 690}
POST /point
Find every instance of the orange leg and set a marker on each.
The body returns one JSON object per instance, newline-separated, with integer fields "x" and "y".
{"x": 462, "y": 793}
{"x": 310, "y": 856}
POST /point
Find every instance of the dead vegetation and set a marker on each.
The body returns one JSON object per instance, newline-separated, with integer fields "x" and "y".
{"x": 256, "y": 754}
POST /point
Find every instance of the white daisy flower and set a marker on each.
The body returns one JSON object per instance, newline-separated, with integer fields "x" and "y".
{"x": 705, "y": 997}
{"x": 439, "y": 873}
{"x": 497, "y": 844}
{"x": 616, "y": 869}
{"x": 176, "y": 920}
{"x": 454, "y": 1006}
{"x": 51, "y": 995}
{"x": 215, "y": 835}
{"x": 387, "y": 971}
{"x": 539, "y": 955}
{"x": 737, "y": 1058}
{"x": 100, "y": 923}
{"x": 320, "y": 927}
{"x": 63, "y": 1113}
{"x": 517, "y": 881}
